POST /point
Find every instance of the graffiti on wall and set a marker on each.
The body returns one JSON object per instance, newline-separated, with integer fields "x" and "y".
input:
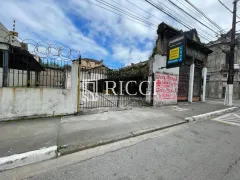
{"x": 166, "y": 87}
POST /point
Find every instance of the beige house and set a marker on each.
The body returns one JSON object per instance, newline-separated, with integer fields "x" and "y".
{"x": 87, "y": 63}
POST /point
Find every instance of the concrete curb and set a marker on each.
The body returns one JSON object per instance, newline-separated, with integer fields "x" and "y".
{"x": 103, "y": 110}
{"x": 74, "y": 149}
{"x": 214, "y": 113}
{"x": 26, "y": 158}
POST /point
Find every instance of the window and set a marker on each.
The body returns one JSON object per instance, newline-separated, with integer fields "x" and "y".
{"x": 208, "y": 77}
{"x": 225, "y": 75}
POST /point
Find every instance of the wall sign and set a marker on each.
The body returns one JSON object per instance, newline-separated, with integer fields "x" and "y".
{"x": 176, "y": 51}
{"x": 166, "y": 88}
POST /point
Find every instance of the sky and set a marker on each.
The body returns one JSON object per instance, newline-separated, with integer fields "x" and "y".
{"x": 81, "y": 25}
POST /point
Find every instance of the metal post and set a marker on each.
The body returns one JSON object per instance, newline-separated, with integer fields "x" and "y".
{"x": 79, "y": 84}
{"x": 191, "y": 82}
{"x": 204, "y": 76}
{"x": 152, "y": 89}
{"x": 28, "y": 72}
{"x": 36, "y": 79}
{"x": 5, "y": 69}
{"x": 118, "y": 88}
{"x": 231, "y": 60}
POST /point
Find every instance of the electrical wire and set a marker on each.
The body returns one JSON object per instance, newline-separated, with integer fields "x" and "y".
{"x": 181, "y": 18}
{"x": 144, "y": 10}
{"x": 131, "y": 10}
{"x": 173, "y": 17}
{"x": 227, "y": 8}
{"x": 204, "y": 15}
{"x": 125, "y": 12}
{"x": 186, "y": 19}
{"x": 183, "y": 3}
{"x": 192, "y": 16}
{"x": 121, "y": 12}
{"x": 131, "y": 19}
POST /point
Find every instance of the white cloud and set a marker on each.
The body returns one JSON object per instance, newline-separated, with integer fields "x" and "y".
{"x": 45, "y": 20}
{"x": 109, "y": 35}
{"x": 130, "y": 55}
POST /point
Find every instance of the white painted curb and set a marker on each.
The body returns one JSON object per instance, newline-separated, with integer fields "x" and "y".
{"x": 30, "y": 157}
{"x": 218, "y": 112}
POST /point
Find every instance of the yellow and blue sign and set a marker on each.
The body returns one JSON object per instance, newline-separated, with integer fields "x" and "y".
{"x": 176, "y": 51}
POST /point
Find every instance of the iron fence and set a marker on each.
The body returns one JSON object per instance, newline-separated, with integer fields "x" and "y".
{"x": 103, "y": 87}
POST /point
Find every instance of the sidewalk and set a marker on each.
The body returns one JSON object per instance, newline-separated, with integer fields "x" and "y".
{"x": 73, "y": 133}
{"x": 236, "y": 102}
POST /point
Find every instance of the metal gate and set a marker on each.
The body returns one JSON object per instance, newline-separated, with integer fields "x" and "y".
{"x": 183, "y": 83}
{"x": 197, "y": 84}
{"x": 102, "y": 87}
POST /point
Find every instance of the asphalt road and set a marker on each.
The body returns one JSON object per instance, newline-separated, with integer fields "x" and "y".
{"x": 200, "y": 150}
{"x": 230, "y": 118}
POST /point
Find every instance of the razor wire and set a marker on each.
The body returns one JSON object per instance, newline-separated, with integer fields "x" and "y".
{"x": 40, "y": 49}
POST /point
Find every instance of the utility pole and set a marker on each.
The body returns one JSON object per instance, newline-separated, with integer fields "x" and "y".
{"x": 231, "y": 59}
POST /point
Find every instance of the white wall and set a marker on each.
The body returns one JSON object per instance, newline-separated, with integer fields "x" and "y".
{"x": 92, "y": 76}
{"x": 5, "y": 38}
{"x": 21, "y": 102}
{"x": 160, "y": 62}
{"x": 18, "y": 102}
{"x": 158, "y": 67}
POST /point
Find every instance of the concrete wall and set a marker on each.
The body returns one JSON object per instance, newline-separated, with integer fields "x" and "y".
{"x": 21, "y": 102}
{"x": 214, "y": 89}
{"x": 159, "y": 62}
{"x": 217, "y": 80}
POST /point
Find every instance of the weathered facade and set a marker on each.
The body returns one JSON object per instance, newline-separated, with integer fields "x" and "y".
{"x": 191, "y": 73}
{"x": 88, "y": 63}
{"x": 218, "y": 68}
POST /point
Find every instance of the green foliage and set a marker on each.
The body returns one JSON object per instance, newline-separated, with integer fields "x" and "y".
{"x": 55, "y": 65}
{"x": 50, "y": 64}
{"x": 135, "y": 69}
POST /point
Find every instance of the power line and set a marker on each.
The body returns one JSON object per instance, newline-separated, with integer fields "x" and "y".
{"x": 184, "y": 17}
{"x": 144, "y": 10}
{"x": 191, "y": 16}
{"x": 105, "y": 3}
{"x": 202, "y": 13}
{"x": 172, "y": 16}
{"x": 227, "y": 8}
{"x": 169, "y": 14}
{"x": 125, "y": 12}
{"x": 130, "y": 10}
{"x": 181, "y": 18}
{"x": 131, "y": 19}
{"x": 183, "y": 3}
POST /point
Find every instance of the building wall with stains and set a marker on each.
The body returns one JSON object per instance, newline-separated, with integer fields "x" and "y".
{"x": 218, "y": 70}
{"x": 166, "y": 97}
